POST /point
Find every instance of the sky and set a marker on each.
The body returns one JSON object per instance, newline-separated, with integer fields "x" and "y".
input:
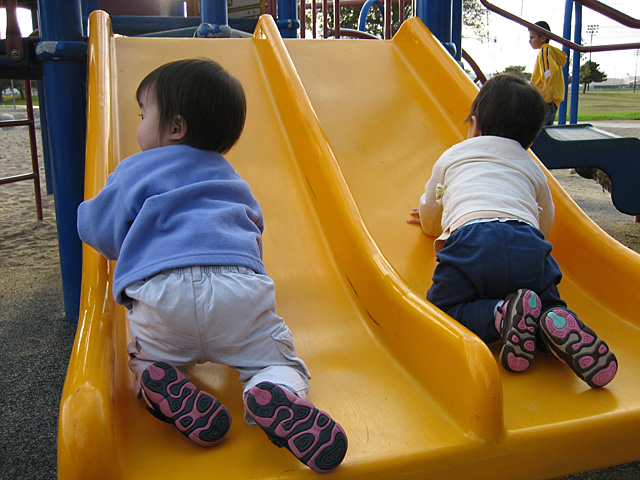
{"x": 509, "y": 42}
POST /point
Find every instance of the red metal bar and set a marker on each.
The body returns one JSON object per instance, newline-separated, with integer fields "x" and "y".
{"x": 562, "y": 41}
{"x": 476, "y": 69}
{"x": 302, "y": 10}
{"x": 34, "y": 148}
{"x": 612, "y": 13}
{"x": 336, "y": 18}
{"x": 14, "y": 42}
{"x": 35, "y": 169}
{"x": 314, "y": 15}
{"x": 351, "y": 33}
{"x": 325, "y": 11}
{"x": 16, "y": 178}
{"x": 355, "y": 3}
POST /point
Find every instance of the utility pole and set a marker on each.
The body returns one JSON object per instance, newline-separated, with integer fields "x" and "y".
{"x": 592, "y": 30}
{"x": 635, "y": 75}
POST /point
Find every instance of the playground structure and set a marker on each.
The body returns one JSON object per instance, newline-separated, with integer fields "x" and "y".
{"x": 418, "y": 395}
{"x": 583, "y": 146}
{"x": 34, "y": 175}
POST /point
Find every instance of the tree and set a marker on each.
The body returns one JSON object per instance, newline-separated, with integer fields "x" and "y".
{"x": 17, "y": 84}
{"x": 474, "y": 16}
{"x": 589, "y": 73}
{"x": 518, "y": 70}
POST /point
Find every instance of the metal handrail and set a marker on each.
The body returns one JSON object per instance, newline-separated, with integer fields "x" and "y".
{"x": 480, "y": 77}
{"x": 612, "y": 13}
{"x": 593, "y": 4}
{"x": 339, "y": 31}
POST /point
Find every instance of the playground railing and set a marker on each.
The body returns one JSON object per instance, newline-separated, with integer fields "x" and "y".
{"x": 331, "y": 10}
{"x": 592, "y": 4}
{"x": 35, "y": 169}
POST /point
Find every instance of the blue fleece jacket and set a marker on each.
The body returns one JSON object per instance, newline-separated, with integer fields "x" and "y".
{"x": 171, "y": 207}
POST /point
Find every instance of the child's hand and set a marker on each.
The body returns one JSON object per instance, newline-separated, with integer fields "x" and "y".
{"x": 415, "y": 213}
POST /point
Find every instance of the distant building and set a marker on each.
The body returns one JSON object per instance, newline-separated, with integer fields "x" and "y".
{"x": 612, "y": 84}
{"x": 7, "y": 91}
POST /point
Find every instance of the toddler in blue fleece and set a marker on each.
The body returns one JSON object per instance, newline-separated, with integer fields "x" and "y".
{"x": 186, "y": 232}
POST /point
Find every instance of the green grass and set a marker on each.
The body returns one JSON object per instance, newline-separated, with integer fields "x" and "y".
{"x": 9, "y": 101}
{"x": 594, "y": 105}
{"x": 608, "y": 105}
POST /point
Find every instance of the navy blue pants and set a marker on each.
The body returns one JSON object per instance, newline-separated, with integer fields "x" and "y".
{"x": 482, "y": 263}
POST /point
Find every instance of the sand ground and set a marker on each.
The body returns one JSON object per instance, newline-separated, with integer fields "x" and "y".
{"x": 36, "y": 341}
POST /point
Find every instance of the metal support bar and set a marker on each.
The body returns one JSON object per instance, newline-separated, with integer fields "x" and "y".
{"x": 576, "y": 47}
{"x": 35, "y": 169}
{"x": 575, "y": 80}
{"x": 566, "y": 33}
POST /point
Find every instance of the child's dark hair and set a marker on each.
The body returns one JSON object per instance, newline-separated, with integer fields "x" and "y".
{"x": 210, "y": 100}
{"x": 508, "y": 106}
{"x": 544, "y": 25}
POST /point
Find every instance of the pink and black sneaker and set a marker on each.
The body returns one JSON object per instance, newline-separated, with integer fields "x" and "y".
{"x": 294, "y": 423}
{"x": 575, "y": 344}
{"x": 174, "y": 399}
{"x": 517, "y": 321}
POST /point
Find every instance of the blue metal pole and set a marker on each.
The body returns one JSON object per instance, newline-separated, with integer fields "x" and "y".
{"x": 214, "y": 12}
{"x": 364, "y": 11}
{"x": 566, "y": 33}
{"x": 288, "y": 22}
{"x": 64, "y": 83}
{"x": 575, "y": 81}
{"x": 456, "y": 28}
{"x": 436, "y": 15}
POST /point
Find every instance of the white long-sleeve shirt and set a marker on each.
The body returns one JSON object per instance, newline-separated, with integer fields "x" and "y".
{"x": 482, "y": 178}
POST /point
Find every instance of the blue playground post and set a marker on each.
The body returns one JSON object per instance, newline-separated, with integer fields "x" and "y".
{"x": 214, "y": 12}
{"x": 566, "y": 33}
{"x": 287, "y": 21}
{"x": 64, "y": 80}
{"x": 437, "y": 15}
{"x": 575, "y": 81}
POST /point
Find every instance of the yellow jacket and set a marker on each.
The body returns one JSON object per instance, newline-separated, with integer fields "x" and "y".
{"x": 547, "y": 74}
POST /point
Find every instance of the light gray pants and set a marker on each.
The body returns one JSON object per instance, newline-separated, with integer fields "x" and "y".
{"x": 224, "y": 315}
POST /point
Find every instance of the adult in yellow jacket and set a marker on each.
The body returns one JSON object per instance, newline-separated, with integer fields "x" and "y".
{"x": 547, "y": 75}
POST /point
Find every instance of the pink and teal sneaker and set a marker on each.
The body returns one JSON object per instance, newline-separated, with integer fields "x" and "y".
{"x": 517, "y": 321}
{"x": 294, "y": 423}
{"x": 575, "y": 344}
{"x": 174, "y": 399}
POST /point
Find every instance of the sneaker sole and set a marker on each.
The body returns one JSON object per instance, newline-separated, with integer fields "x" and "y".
{"x": 519, "y": 337}
{"x": 196, "y": 414}
{"x": 579, "y": 347}
{"x": 289, "y": 421}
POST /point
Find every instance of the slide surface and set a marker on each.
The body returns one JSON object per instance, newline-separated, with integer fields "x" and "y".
{"x": 340, "y": 139}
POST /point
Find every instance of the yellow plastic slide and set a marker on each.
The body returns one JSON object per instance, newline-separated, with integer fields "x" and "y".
{"x": 340, "y": 139}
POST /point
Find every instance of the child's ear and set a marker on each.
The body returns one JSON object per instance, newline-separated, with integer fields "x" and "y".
{"x": 474, "y": 128}
{"x": 178, "y": 129}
